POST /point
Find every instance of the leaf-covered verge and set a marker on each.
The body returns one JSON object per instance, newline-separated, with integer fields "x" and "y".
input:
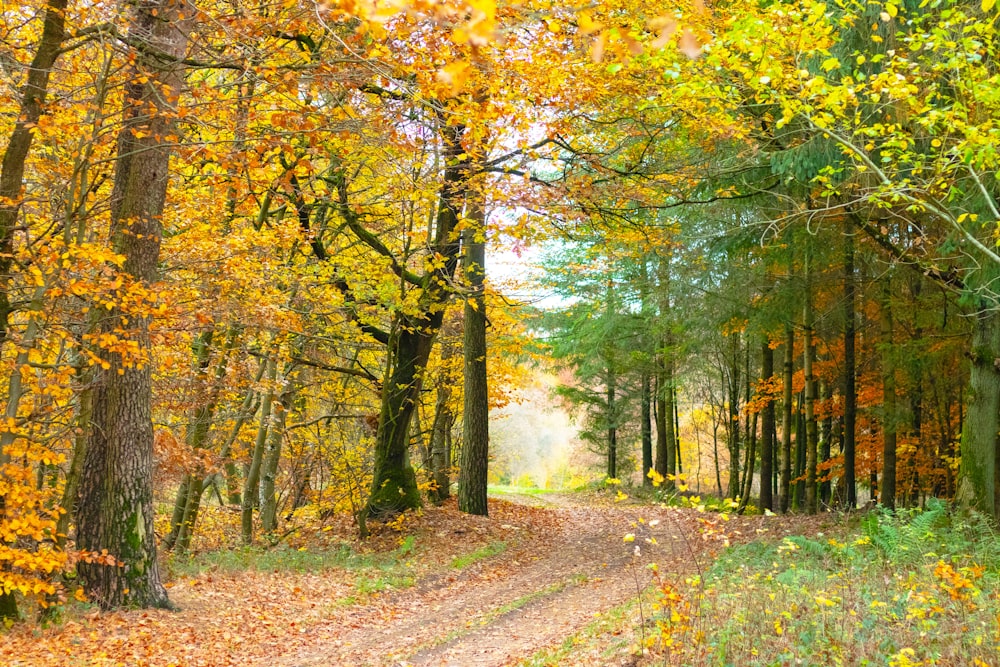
{"x": 918, "y": 587}
{"x": 240, "y": 606}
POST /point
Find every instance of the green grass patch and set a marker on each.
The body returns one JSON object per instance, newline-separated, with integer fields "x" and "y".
{"x": 488, "y": 551}
{"x": 906, "y": 588}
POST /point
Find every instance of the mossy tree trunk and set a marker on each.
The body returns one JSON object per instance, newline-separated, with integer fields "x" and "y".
{"x": 979, "y": 483}
{"x": 116, "y": 492}
{"x": 394, "y": 483}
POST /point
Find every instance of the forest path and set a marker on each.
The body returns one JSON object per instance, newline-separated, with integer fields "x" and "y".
{"x": 567, "y": 567}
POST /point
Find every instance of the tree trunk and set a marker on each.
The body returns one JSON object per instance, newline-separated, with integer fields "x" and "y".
{"x": 12, "y": 180}
{"x": 473, "y": 467}
{"x": 269, "y": 467}
{"x": 784, "y": 484}
{"x": 15, "y": 156}
{"x": 444, "y": 419}
{"x": 677, "y": 428}
{"x": 665, "y": 449}
{"x": 612, "y": 427}
{"x": 979, "y": 483}
{"x": 799, "y": 472}
{"x": 733, "y": 420}
{"x": 749, "y": 465}
{"x": 645, "y": 392}
{"x": 646, "y": 428}
{"x": 850, "y": 388}
{"x": 116, "y": 494}
{"x": 394, "y": 484}
{"x": 825, "y": 440}
{"x": 811, "y": 497}
{"x": 661, "y": 418}
{"x": 767, "y": 431}
{"x": 889, "y": 416}
{"x": 251, "y": 482}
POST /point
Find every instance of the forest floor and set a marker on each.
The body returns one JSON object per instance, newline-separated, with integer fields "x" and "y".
{"x": 438, "y": 588}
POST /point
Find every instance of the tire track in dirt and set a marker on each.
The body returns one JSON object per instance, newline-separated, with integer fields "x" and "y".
{"x": 504, "y": 609}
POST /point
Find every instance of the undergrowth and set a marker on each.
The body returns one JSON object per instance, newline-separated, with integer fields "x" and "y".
{"x": 899, "y": 589}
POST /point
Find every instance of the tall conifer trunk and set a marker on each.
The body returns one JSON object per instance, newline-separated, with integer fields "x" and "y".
{"x": 767, "y": 431}
{"x": 811, "y": 499}
{"x": 850, "y": 390}
{"x": 784, "y": 483}
{"x": 889, "y": 416}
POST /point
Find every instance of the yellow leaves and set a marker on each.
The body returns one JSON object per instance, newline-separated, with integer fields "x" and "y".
{"x": 454, "y": 76}
{"x": 586, "y": 25}
{"x": 988, "y": 5}
{"x": 830, "y": 64}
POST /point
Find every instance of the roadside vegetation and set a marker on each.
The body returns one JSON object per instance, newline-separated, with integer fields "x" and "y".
{"x": 900, "y": 589}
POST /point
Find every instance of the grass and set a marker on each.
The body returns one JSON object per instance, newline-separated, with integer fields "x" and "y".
{"x": 905, "y": 589}
{"x": 373, "y": 573}
{"x": 895, "y": 590}
{"x": 491, "y": 549}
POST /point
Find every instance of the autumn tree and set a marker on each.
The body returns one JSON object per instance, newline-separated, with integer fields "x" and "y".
{"x": 116, "y": 502}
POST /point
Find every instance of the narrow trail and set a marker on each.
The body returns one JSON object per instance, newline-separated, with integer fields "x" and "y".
{"x": 504, "y": 609}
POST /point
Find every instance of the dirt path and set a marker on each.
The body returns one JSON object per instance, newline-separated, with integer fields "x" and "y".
{"x": 504, "y": 609}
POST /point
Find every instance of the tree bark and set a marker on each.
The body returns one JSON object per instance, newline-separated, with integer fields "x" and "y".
{"x": 979, "y": 483}
{"x": 15, "y": 156}
{"x": 394, "y": 484}
{"x": 784, "y": 484}
{"x": 665, "y": 449}
{"x": 889, "y": 417}
{"x": 811, "y": 496}
{"x": 611, "y": 417}
{"x": 646, "y": 428}
{"x": 444, "y": 419}
{"x": 850, "y": 386}
{"x": 767, "y": 431}
{"x": 825, "y": 441}
{"x": 473, "y": 466}
{"x": 733, "y": 418}
{"x": 251, "y": 483}
{"x": 272, "y": 457}
{"x": 12, "y": 169}
{"x": 116, "y": 494}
